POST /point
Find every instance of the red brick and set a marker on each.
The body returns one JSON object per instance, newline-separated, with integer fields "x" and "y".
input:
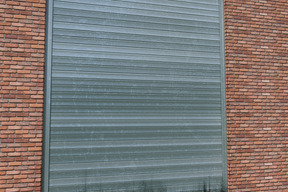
{"x": 256, "y": 94}
{"x": 16, "y": 117}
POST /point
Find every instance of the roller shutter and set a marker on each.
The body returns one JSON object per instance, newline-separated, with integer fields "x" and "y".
{"x": 136, "y": 101}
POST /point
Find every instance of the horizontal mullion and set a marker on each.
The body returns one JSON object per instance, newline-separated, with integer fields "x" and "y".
{"x": 105, "y": 35}
{"x": 137, "y": 11}
{"x": 133, "y": 31}
{"x": 75, "y": 40}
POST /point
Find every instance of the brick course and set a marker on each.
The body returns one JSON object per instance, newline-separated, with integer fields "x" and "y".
{"x": 256, "y": 46}
{"x": 22, "y": 40}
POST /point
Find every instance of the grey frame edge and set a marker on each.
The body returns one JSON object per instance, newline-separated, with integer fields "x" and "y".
{"x": 47, "y": 96}
{"x": 223, "y": 94}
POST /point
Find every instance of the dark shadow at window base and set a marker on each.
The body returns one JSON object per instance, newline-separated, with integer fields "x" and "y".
{"x": 156, "y": 186}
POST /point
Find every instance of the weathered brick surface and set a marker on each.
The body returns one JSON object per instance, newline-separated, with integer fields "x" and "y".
{"x": 22, "y": 39}
{"x": 256, "y": 37}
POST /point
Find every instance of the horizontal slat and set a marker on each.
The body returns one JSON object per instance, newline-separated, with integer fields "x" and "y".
{"x": 135, "y": 92}
{"x": 95, "y": 150}
{"x": 139, "y": 51}
{"x": 137, "y": 143}
{"x": 135, "y": 84}
{"x": 174, "y": 6}
{"x": 131, "y": 157}
{"x": 196, "y": 65}
{"x": 146, "y": 137}
{"x": 86, "y": 116}
{"x": 128, "y": 56}
{"x": 77, "y": 41}
{"x": 96, "y": 75}
{"x": 143, "y": 111}
{"x": 151, "y": 28}
{"x": 137, "y": 11}
{"x": 83, "y": 18}
{"x": 205, "y": 4}
{"x": 141, "y": 70}
{"x": 136, "y": 31}
{"x": 147, "y": 177}
{"x": 139, "y": 163}
{"x": 157, "y": 131}
{"x": 145, "y": 19}
{"x": 156, "y": 39}
{"x": 92, "y": 172}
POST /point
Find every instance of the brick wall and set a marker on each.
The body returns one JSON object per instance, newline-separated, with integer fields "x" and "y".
{"x": 22, "y": 39}
{"x": 256, "y": 40}
{"x": 256, "y": 37}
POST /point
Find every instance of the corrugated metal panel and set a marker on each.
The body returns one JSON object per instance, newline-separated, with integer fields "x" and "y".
{"x": 136, "y": 96}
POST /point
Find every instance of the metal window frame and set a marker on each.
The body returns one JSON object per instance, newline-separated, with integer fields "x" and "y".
{"x": 223, "y": 94}
{"x": 47, "y": 95}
